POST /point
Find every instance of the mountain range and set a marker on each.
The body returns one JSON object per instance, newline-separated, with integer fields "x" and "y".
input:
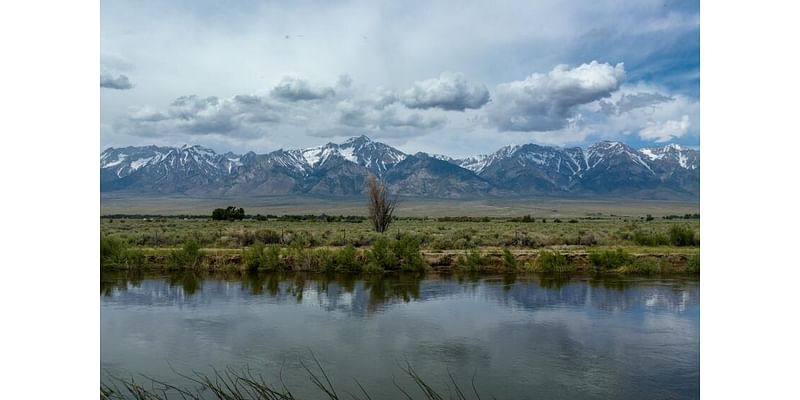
{"x": 603, "y": 169}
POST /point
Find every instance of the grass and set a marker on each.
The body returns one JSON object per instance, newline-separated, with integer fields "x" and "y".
{"x": 610, "y": 259}
{"x": 645, "y": 267}
{"x": 472, "y": 261}
{"x": 551, "y": 261}
{"x": 510, "y": 263}
{"x": 411, "y": 244}
{"x": 431, "y": 233}
{"x": 244, "y": 384}
{"x": 114, "y": 251}
{"x": 187, "y": 256}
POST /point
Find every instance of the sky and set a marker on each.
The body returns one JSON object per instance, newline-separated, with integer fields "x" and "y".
{"x": 455, "y": 78}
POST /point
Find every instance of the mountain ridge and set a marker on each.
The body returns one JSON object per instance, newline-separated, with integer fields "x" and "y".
{"x": 339, "y": 169}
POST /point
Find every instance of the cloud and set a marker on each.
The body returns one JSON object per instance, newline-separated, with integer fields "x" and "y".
{"x": 666, "y": 131}
{"x": 120, "y": 82}
{"x": 240, "y": 115}
{"x": 295, "y": 89}
{"x": 546, "y": 102}
{"x": 394, "y": 117}
{"x": 652, "y": 112}
{"x": 390, "y": 118}
{"x": 633, "y": 101}
{"x": 450, "y": 92}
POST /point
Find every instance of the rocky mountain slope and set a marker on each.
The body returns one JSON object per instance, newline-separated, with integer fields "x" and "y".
{"x": 604, "y": 168}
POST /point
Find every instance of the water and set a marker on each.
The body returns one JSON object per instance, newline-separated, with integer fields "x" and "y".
{"x": 521, "y": 337}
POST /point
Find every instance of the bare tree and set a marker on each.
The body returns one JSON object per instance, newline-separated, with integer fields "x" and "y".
{"x": 381, "y": 207}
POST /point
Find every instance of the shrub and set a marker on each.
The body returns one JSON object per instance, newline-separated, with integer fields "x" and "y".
{"x": 472, "y": 261}
{"x": 347, "y": 260}
{"x": 381, "y": 256}
{"x": 327, "y": 260}
{"x": 187, "y": 256}
{"x": 251, "y": 258}
{"x": 680, "y": 235}
{"x": 608, "y": 259}
{"x": 110, "y": 249}
{"x": 114, "y": 251}
{"x": 551, "y": 261}
{"x": 260, "y": 257}
{"x": 693, "y": 266}
{"x": 230, "y": 214}
{"x": 509, "y": 261}
{"x": 404, "y": 254}
{"x": 587, "y": 239}
{"x": 645, "y": 238}
{"x": 406, "y": 250}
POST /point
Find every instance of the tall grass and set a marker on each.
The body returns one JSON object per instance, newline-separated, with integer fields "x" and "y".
{"x": 187, "y": 256}
{"x": 115, "y": 252}
{"x": 551, "y": 261}
{"x": 694, "y": 265}
{"x": 472, "y": 261}
{"x": 244, "y": 384}
{"x": 262, "y": 258}
{"x": 610, "y": 259}
{"x": 683, "y": 235}
{"x": 645, "y": 266}
{"x": 510, "y": 263}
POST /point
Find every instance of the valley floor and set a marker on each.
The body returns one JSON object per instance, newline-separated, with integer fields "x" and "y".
{"x": 547, "y": 207}
{"x": 566, "y": 237}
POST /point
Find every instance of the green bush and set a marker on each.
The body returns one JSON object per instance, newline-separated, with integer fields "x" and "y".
{"x": 681, "y": 235}
{"x": 110, "y": 249}
{"x": 609, "y": 259}
{"x": 406, "y": 250}
{"x": 381, "y": 256}
{"x": 114, "y": 251}
{"x": 327, "y": 260}
{"x": 252, "y": 257}
{"x": 509, "y": 261}
{"x": 188, "y": 256}
{"x": 347, "y": 260}
{"x": 551, "y": 261}
{"x": 388, "y": 255}
{"x": 693, "y": 266}
{"x": 647, "y": 238}
{"x": 472, "y": 261}
{"x": 260, "y": 257}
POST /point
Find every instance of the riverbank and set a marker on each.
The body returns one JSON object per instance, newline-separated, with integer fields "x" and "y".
{"x": 489, "y": 260}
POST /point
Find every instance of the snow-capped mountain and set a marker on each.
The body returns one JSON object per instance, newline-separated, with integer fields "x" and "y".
{"x": 686, "y": 158}
{"x": 340, "y": 169}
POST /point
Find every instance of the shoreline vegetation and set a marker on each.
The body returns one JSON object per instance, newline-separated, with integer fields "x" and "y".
{"x": 244, "y": 384}
{"x": 346, "y": 244}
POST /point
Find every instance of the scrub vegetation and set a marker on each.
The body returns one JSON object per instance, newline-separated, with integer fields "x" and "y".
{"x": 322, "y": 243}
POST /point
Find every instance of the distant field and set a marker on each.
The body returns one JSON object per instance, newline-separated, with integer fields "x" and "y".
{"x": 492, "y": 207}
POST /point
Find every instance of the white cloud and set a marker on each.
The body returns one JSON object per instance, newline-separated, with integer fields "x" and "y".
{"x": 241, "y": 115}
{"x": 665, "y": 131}
{"x": 119, "y": 82}
{"x": 450, "y": 91}
{"x": 294, "y": 89}
{"x": 546, "y": 102}
{"x": 649, "y": 111}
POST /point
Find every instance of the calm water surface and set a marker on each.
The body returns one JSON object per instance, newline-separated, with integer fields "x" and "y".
{"x": 522, "y": 337}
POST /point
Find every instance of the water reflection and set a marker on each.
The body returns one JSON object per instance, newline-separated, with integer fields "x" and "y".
{"x": 367, "y": 294}
{"x": 552, "y": 336}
